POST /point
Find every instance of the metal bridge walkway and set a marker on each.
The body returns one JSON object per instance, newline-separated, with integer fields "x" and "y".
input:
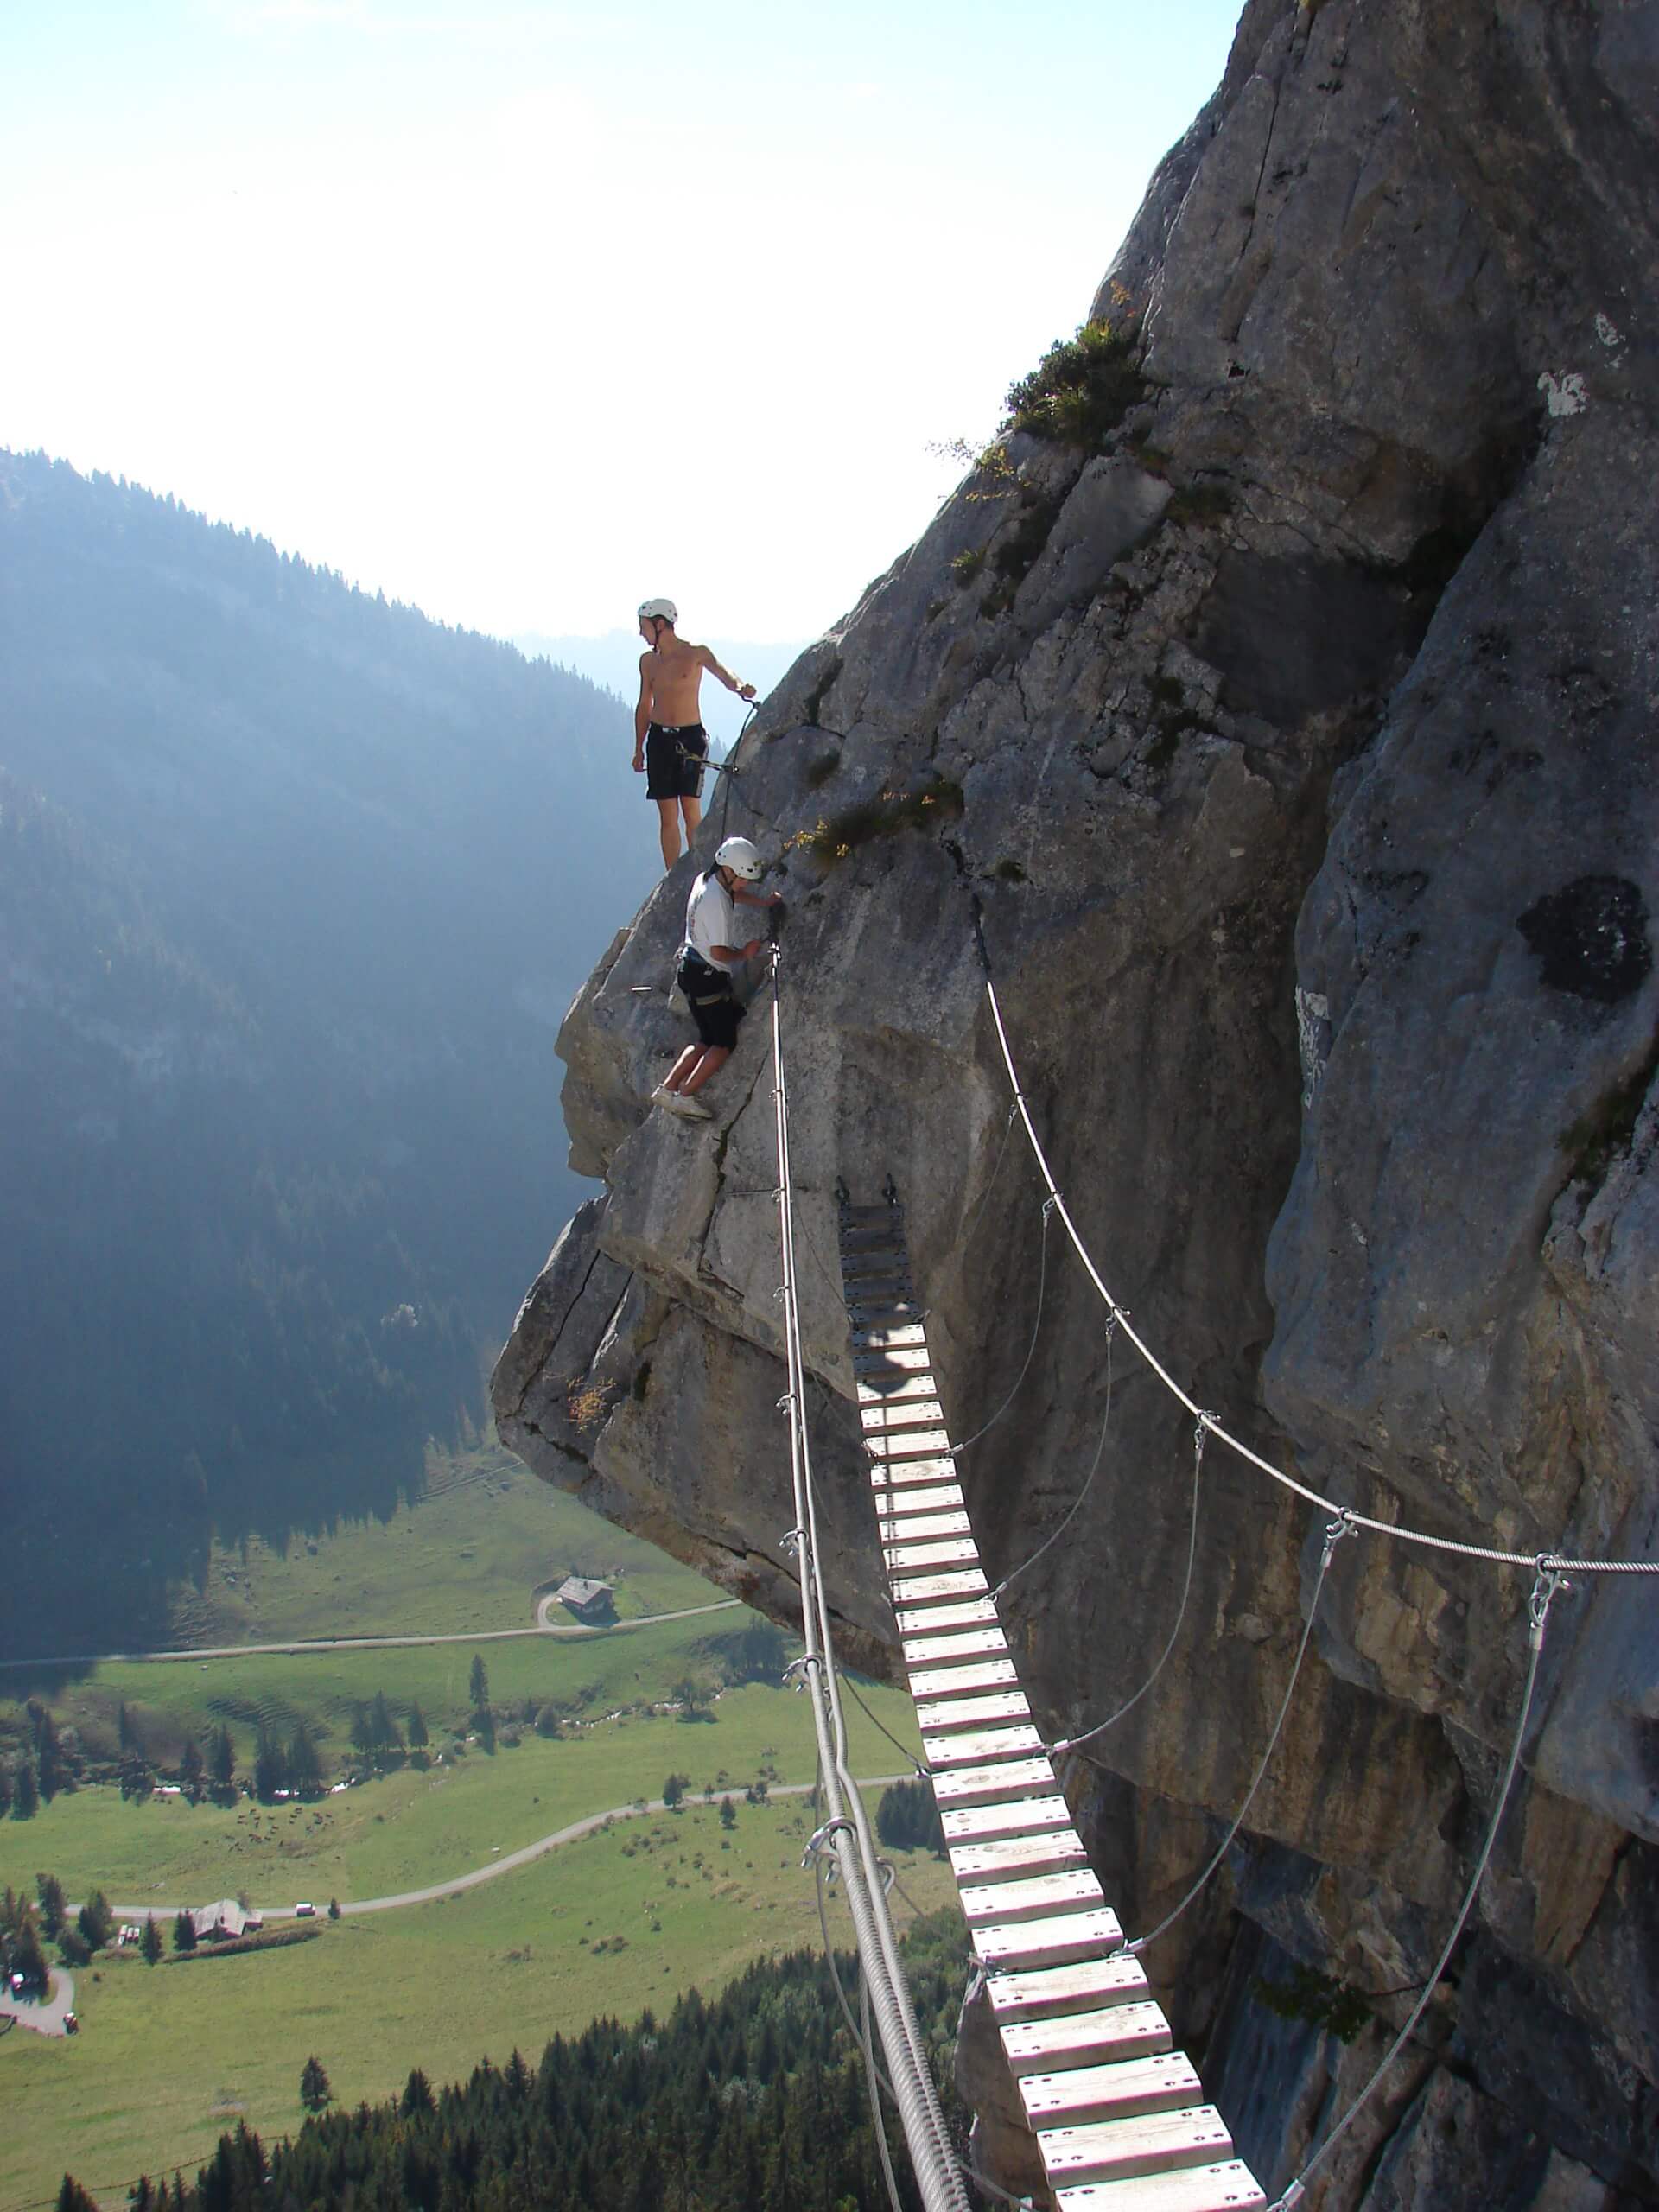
{"x": 1118, "y": 2113}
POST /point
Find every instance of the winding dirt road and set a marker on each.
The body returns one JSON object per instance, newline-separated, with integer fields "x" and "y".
{"x": 508, "y": 1861}
{"x": 204, "y": 1652}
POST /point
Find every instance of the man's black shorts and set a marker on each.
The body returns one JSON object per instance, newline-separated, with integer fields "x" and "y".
{"x": 713, "y": 1008}
{"x": 674, "y": 759}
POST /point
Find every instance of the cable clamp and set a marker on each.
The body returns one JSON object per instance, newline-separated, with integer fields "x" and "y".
{"x": 1344, "y": 1525}
{"x": 817, "y": 1844}
{"x": 792, "y": 1540}
{"x": 889, "y": 1874}
{"x": 786, "y": 1404}
{"x": 800, "y": 1667}
{"x": 1205, "y": 1423}
{"x": 1292, "y": 2197}
{"x": 780, "y": 1294}
{"x": 1050, "y": 1202}
{"x": 1545, "y": 1590}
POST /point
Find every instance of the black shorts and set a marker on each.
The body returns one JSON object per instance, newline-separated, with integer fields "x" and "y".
{"x": 674, "y": 760}
{"x": 713, "y": 1006}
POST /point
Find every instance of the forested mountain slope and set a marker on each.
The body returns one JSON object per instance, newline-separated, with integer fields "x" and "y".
{"x": 295, "y": 885}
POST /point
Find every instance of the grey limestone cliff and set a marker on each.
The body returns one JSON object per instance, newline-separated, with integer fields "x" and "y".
{"x": 1292, "y": 739}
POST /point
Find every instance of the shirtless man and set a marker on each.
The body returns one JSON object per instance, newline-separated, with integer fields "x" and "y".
{"x": 670, "y": 742}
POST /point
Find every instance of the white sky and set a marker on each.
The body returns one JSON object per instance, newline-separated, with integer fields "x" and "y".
{"x": 523, "y": 311}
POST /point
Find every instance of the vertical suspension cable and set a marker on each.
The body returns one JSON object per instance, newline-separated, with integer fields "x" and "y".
{"x": 847, "y": 1829}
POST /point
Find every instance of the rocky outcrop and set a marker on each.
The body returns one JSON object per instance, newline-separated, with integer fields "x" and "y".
{"x": 1291, "y": 740}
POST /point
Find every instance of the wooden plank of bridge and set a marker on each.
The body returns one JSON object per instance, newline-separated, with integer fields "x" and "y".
{"x": 1117, "y": 2111}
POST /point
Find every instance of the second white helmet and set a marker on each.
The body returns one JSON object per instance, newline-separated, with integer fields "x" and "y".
{"x": 658, "y": 609}
{"x": 742, "y": 858}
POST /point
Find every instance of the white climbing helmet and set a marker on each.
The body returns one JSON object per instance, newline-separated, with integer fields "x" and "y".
{"x": 660, "y": 610}
{"x": 741, "y": 857}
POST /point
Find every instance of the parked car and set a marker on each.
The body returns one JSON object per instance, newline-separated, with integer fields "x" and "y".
{"x": 305, "y": 1912}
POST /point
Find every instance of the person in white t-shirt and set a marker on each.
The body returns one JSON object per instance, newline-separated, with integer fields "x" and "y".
{"x": 714, "y": 946}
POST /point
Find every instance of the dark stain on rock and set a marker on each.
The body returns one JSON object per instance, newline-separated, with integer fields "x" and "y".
{"x": 1592, "y": 938}
{"x": 1294, "y": 637}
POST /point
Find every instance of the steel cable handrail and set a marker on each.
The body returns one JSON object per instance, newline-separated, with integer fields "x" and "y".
{"x": 1540, "y": 1561}
{"x": 926, "y": 2132}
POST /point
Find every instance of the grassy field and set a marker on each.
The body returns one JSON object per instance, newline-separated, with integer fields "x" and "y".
{"x": 166, "y": 1702}
{"x": 169, "y": 2057}
{"x": 468, "y": 1554}
{"x": 408, "y": 1830}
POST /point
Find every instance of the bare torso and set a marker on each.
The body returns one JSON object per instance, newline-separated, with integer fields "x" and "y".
{"x": 673, "y": 671}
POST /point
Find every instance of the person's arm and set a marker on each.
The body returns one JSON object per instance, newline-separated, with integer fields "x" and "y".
{"x": 706, "y": 659}
{"x": 642, "y": 713}
{"x": 757, "y": 899}
{"x": 733, "y": 953}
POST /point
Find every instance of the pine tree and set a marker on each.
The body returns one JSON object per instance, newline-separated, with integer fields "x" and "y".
{"x": 51, "y": 1768}
{"x": 96, "y": 1920}
{"x": 315, "y": 2092}
{"x": 387, "y": 1736}
{"x": 54, "y": 1910}
{"x": 478, "y": 1684}
{"x": 269, "y": 1767}
{"x": 418, "y": 1737}
{"x": 72, "y": 2197}
{"x": 150, "y": 1943}
{"x": 185, "y": 1938}
{"x": 25, "y": 1793}
{"x": 27, "y": 1958}
{"x": 222, "y": 1759}
{"x": 418, "y": 2096}
{"x": 304, "y": 1766}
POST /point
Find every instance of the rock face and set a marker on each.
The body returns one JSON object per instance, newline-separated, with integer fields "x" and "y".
{"x": 1291, "y": 742}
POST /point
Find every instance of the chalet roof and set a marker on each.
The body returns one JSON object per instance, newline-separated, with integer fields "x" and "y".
{"x": 580, "y": 1590}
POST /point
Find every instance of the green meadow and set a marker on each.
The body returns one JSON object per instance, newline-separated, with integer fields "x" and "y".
{"x": 170, "y": 2056}
{"x": 466, "y": 1554}
{"x": 409, "y": 1829}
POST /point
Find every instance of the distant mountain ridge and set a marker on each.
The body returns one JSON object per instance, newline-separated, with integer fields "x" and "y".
{"x": 284, "y": 867}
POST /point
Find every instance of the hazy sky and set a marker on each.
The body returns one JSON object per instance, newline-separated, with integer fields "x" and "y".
{"x": 524, "y": 312}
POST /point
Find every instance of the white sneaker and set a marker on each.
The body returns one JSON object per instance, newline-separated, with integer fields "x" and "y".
{"x": 676, "y": 1102}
